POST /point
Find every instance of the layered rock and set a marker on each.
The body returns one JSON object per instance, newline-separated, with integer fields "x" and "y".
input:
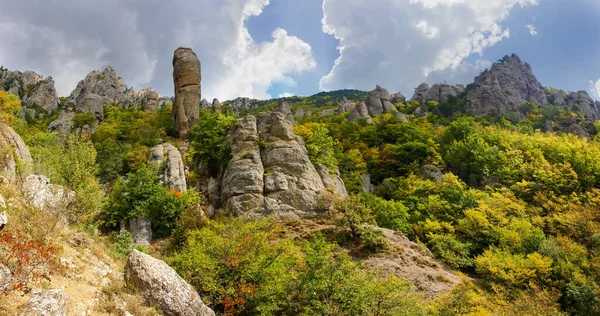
{"x": 148, "y": 99}
{"x": 582, "y": 100}
{"x": 15, "y": 159}
{"x": 439, "y": 92}
{"x": 46, "y": 303}
{"x": 299, "y": 112}
{"x": 285, "y": 109}
{"x": 378, "y": 102}
{"x": 360, "y": 111}
{"x": 42, "y": 194}
{"x": 504, "y": 87}
{"x": 38, "y": 95}
{"x": 187, "y": 78}
{"x": 160, "y": 285}
{"x": 270, "y": 172}
{"x": 171, "y": 169}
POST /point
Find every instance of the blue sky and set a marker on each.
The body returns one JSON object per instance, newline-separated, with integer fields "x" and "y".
{"x": 267, "y": 48}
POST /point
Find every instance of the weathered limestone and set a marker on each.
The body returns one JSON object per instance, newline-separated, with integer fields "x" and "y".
{"x": 15, "y": 159}
{"x": 186, "y": 77}
{"x": 46, "y": 303}
{"x": 171, "y": 169}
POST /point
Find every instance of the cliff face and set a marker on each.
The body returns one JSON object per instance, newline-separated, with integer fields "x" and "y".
{"x": 38, "y": 95}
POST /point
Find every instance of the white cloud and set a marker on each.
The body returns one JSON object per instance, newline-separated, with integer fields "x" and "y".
{"x": 400, "y": 43}
{"x": 531, "y": 29}
{"x": 285, "y": 95}
{"x": 67, "y": 39}
{"x": 595, "y": 89}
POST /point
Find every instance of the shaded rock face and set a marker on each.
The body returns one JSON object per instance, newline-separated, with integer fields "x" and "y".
{"x": 573, "y": 126}
{"x": 64, "y": 123}
{"x": 36, "y": 92}
{"x": 141, "y": 230}
{"x": 106, "y": 84}
{"x": 504, "y": 87}
{"x": 299, "y": 112}
{"x": 583, "y": 101}
{"x": 186, "y": 77}
{"x": 216, "y": 106}
{"x": 171, "y": 169}
{"x": 204, "y": 104}
{"x": 558, "y": 99}
{"x": 43, "y": 194}
{"x": 403, "y": 117}
{"x": 431, "y": 172}
{"x": 333, "y": 182}
{"x": 241, "y": 104}
{"x": 13, "y": 153}
{"x": 160, "y": 285}
{"x": 270, "y": 172}
{"x": 421, "y": 93}
{"x": 360, "y": 111}
{"x": 397, "y": 98}
{"x": 378, "y": 102}
{"x": 148, "y": 98}
{"x": 46, "y": 303}
{"x": 285, "y": 109}
{"x": 367, "y": 185}
{"x": 327, "y": 112}
{"x": 344, "y": 106}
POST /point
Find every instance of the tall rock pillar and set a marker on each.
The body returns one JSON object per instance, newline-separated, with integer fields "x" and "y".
{"x": 186, "y": 77}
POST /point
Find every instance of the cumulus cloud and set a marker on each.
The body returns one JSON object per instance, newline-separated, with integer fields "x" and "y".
{"x": 531, "y": 29}
{"x": 285, "y": 95}
{"x": 67, "y": 39}
{"x": 595, "y": 89}
{"x": 400, "y": 43}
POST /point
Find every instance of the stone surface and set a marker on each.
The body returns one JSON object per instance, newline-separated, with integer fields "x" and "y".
{"x": 242, "y": 104}
{"x": 585, "y": 103}
{"x": 344, "y": 106}
{"x": 299, "y": 112}
{"x": 440, "y": 92}
{"x": 403, "y": 117}
{"x": 13, "y": 153}
{"x": 504, "y": 87}
{"x": 285, "y": 109}
{"x": 160, "y": 285}
{"x": 171, "y": 169}
{"x": 378, "y": 102}
{"x": 217, "y": 107}
{"x": 141, "y": 230}
{"x": 558, "y": 99}
{"x": 367, "y": 185}
{"x": 327, "y": 112}
{"x": 204, "y": 104}
{"x": 148, "y": 98}
{"x": 360, "y": 111}
{"x": 38, "y": 95}
{"x": 431, "y": 172}
{"x": 64, "y": 124}
{"x": 397, "y": 98}
{"x": 421, "y": 93}
{"x": 187, "y": 78}
{"x": 332, "y": 181}
{"x": 46, "y": 303}
{"x": 5, "y": 278}
{"x": 42, "y": 194}
{"x": 108, "y": 85}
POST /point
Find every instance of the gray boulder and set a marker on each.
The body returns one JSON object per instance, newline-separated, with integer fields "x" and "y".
{"x": 367, "y": 185}
{"x": 558, "y": 99}
{"x": 332, "y": 182}
{"x": 585, "y": 103}
{"x": 160, "y": 285}
{"x": 378, "y": 102}
{"x": 46, "y": 303}
{"x": 64, "y": 124}
{"x": 421, "y": 93}
{"x": 36, "y": 92}
{"x": 398, "y": 98}
{"x": 187, "y": 78}
{"x": 327, "y": 112}
{"x": 431, "y": 172}
{"x": 141, "y": 230}
{"x": 42, "y": 194}
{"x": 360, "y": 111}
{"x": 285, "y": 109}
{"x": 106, "y": 84}
{"x": 242, "y": 104}
{"x": 204, "y": 104}
{"x": 217, "y": 107}
{"x": 171, "y": 169}
{"x": 13, "y": 153}
{"x": 440, "y": 92}
{"x": 345, "y": 106}
{"x": 403, "y": 117}
{"x": 299, "y": 112}
{"x": 504, "y": 87}
{"x": 148, "y": 98}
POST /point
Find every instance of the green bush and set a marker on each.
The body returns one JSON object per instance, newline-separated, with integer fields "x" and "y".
{"x": 83, "y": 119}
{"x": 209, "y": 139}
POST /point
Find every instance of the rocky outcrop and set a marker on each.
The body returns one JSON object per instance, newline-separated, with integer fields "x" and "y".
{"x": 148, "y": 99}
{"x": 285, "y": 109}
{"x": 360, "y": 111}
{"x": 15, "y": 159}
{"x": 421, "y": 93}
{"x": 583, "y": 101}
{"x": 403, "y": 117}
{"x": 204, "y": 104}
{"x": 171, "y": 169}
{"x": 398, "y": 98}
{"x": 64, "y": 124}
{"x": 507, "y": 85}
{"x": 327, "y": 112}
{"x": 242, "y": 104}
{"x": 141, "y": 230}
{"x": 216, "y": 106}
{"x": 42, "y": 194}
{"x": 378, "y": 102}
{"x": 160, "y": 285}
{"x": 38, "y": 95}
{"x": 431, "y": 172}
{"x": 46, "y": 303}
{"x": 270, "y": 172}
{"x": 367, "y": 185}
{"x": 187, "y": 78}
{"x": 344, "y": 106}
{"x": 106, "y": 84}
{"x": 440, "y": 92}
{"x": 332, "y": 182}
{"x": 299, "y": 112}
{"x": 558, "y": 99}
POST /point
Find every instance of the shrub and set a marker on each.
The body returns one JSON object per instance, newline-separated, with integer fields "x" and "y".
{"x": 83, "y": 119}
{"x": 208, "y": 139}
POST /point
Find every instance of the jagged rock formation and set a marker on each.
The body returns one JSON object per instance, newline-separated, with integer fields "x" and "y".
{"x": 360, "y": 111}
{"x": 398, "y": 98}
{"x": 38, "y": 95}
{"x": 148, "y": 99}
{"x": 439, "y": 92}
{"x": 106, "y": 84}
{"x": 42, "y": 194}
{"x": 204, "y": 104}
{"x": 159, "y": 284}
{"x": 242, "y": 104}
{"x": 431, "y": 172}
{"x": 3, "y": 217}
{"x": 581, "y": 99}
{"x": 46, "y": 303}
{"x": 284, "y": 108}
{"x": 344, "y": 106}
{"x": 186, "y": 77}
{"x": 15, "y": 159}
{"x": 378, "y": 102}
{"x": 558, "y": 98}
{"x": 216, "y": 106}
{"x": 421, "y": 93}
{"x": 299, "y": 112}
{"x": 504, "y": 87}
{"x": 270, "y": 172}
{"x": 171, "y": 169}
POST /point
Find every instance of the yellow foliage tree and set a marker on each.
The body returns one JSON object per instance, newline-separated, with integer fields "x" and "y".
{"x": 10, "y": 105}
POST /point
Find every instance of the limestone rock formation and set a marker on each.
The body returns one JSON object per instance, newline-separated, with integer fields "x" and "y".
{"x": 504, "y": 87}
{"x": 42, "y": 194}
{"x": 187, "y": 78}
{"x": 38, "y": 95}
{"x": 171, "y": 169}
{"x": 299, "y": 112}
{"x": 431, "y": 172}
{"x": 148, "y": 98}
{"x": 46, "y": 303}
{"x": 217, "y": 107}
{"x": 285, "y": 109}
{"x": 558, "y": 99}
{"x": 344, "y": 106}
{"x": 204, "y": 104}
{"x": 270, "y": 172}
{"x": 141, "y": 230}
{"x": 360, "y": 111}
{"x": 378, "y": 102}
{"x": 586, "y": 104}
{"x": 106, "y": 84}
{"x": 421, "y": 93}
{"x": 367, "y": 185}
{"x": 327, "y": 112}
{"x": 64, "y": 123}
{"x": 13, "y": 153}
{"x": 333, "y": 182}
{"x": 397, "y": 98}
{"x": 159, "y": 284}
{"x": 242, "y": 104}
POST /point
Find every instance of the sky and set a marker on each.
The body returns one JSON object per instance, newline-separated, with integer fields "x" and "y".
{"x": 271, "y": 48}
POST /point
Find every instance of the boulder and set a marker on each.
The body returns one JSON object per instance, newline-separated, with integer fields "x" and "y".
{"x": 106, "y": 84}
{"x": 160, "y": 285}
{"x": 240, "y": 104}
{"x": 421, "y": 93}
{"x": 558, "y": 99}
{"x": 170, "y": 166}
{"x": 64, "y": 124}
{"x": 507, "y": 85}
{"x": 186, "y": 77}
{"x": 403, "y": 117}
{"x": 431, "y": 172}
{"x": 38, "y": 95}
{"x": 299, "y": 112}
{"x": 398, "y": 98}
{"x": 360, "y": 111}
{"x": 5, "y": 278}
{"x": 216, "y": 106}
{"x": 148, "y": 98}
{"x": 13, "y": 153}
{"x": 585, "y": 103}
{"x": 441, "y": 91}
{"x": 327, "y": 112}
{"x": 46, "y": 303}
{"x": 93, "y": 104}
{"x": 285, "y": 109}
{"x": 204, "y": 104}
{"x": 42, "y": 194}
{"x": 141, "y": 230}
{"x": 378, "y": 102}
{"x": 367, "y": 185}
{"x": 332, "y": 182}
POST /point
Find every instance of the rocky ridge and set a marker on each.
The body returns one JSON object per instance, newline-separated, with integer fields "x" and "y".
{"x": 38, "y": 95}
